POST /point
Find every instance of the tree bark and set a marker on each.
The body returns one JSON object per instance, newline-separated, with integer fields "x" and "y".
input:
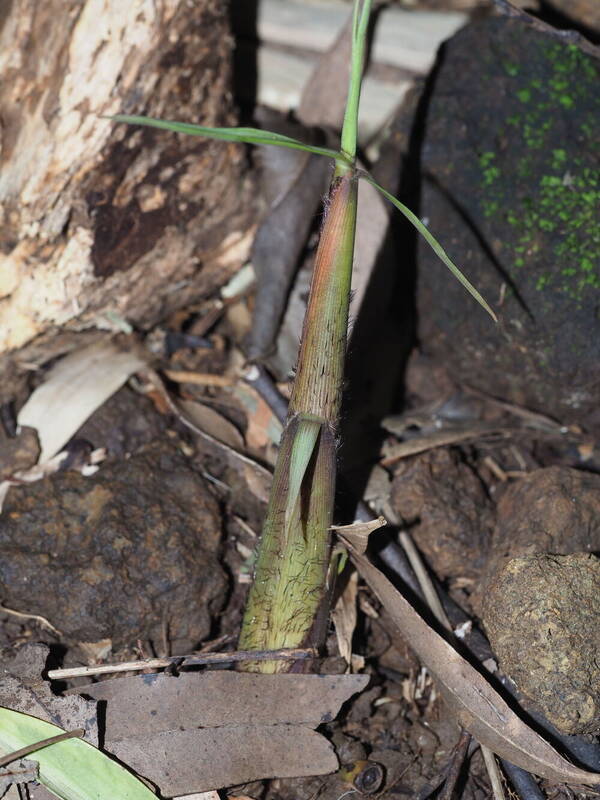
{"x": 103, "y": 223}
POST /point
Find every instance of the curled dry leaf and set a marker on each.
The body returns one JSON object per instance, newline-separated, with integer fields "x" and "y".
{"x": 358, "y": 533}
{"x": 264, "y": 429}
{"x": 478, "y": 707}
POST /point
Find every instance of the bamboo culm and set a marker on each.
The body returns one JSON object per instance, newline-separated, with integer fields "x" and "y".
{"x": 291, "y": 570}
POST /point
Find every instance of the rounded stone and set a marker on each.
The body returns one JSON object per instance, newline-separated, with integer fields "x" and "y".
{"x": 444, "y": 503}
{"x": 542, "y": 615}
{"x": 552, "y": 510}
{"x": 130, "y": 553}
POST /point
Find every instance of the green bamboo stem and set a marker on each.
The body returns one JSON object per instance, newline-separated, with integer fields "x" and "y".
{"x": 320, "y": 369}
{"x": 291, "y": 569}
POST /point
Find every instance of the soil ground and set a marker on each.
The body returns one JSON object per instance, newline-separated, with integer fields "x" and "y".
{"x": 508, "y": 481}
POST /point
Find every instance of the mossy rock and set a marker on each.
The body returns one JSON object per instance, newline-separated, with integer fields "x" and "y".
{"x": 511, "y": 166}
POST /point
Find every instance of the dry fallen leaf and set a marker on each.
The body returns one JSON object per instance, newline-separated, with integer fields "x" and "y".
{"x": 344, "y": 617}
{"x": 255, "y": 476}
{"x": 359, "y": 532}
{"x": 322, "y": 103}
{"x": 180, "y": 761}
{"x": 297, "y": 183}
{"x": 452, "y": 435}
{"x": 478, "y": 707}
{"x": 75, "y": 388}
{"x": 202, "y": 731}
{"x": 210, "y": 421}
{"x": 264, "y": 429}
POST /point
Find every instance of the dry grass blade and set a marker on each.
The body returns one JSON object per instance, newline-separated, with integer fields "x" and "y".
{"x": 198, "y": 378}
{"x": 420, "y": 444}
{"x": 478, "y": 707}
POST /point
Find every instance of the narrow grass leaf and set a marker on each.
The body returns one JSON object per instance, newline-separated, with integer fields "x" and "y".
{"x": 242, "y": 135}
{"x": 433, "y": 243}
{"x": 71, "y": 769}
{"x": 302, "y": 450}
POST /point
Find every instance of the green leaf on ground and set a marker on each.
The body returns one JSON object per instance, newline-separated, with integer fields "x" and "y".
{"x": 71, "y": 769}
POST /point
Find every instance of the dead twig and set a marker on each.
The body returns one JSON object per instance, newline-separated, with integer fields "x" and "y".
{"x": 458, "y": 757}
{"x": 285, "y": 654}
{"x": 39, "y": 619}
{"x": 427, "y": 587}
{"x": 32, "y": 748}
{"x": 420, "y": 444}
{"x": 533, "y": 419}
{"x": 493, "y": 772}
{"x": 198, "y": 378}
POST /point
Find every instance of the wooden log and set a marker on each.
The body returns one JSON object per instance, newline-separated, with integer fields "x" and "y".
{"x": 104, "y": 226}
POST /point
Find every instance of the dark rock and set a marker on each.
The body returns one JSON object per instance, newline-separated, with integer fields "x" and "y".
{"x": 554, "y": 510}
{"x": 19, "y": 452}
{"x": 542, "y": 615}
{"x": 512, "y": 189}
{"x": 123, "y": 424}
{"x": 447, "y": 509}
{"x": 127, "y": 554}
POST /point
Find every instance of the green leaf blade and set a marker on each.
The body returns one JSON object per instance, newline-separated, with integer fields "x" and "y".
{"x": 303, "y": 447}
{"x": 433, "y": 243}
{"x": 240, "y": 135}
{"x": 72, "y": 769}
